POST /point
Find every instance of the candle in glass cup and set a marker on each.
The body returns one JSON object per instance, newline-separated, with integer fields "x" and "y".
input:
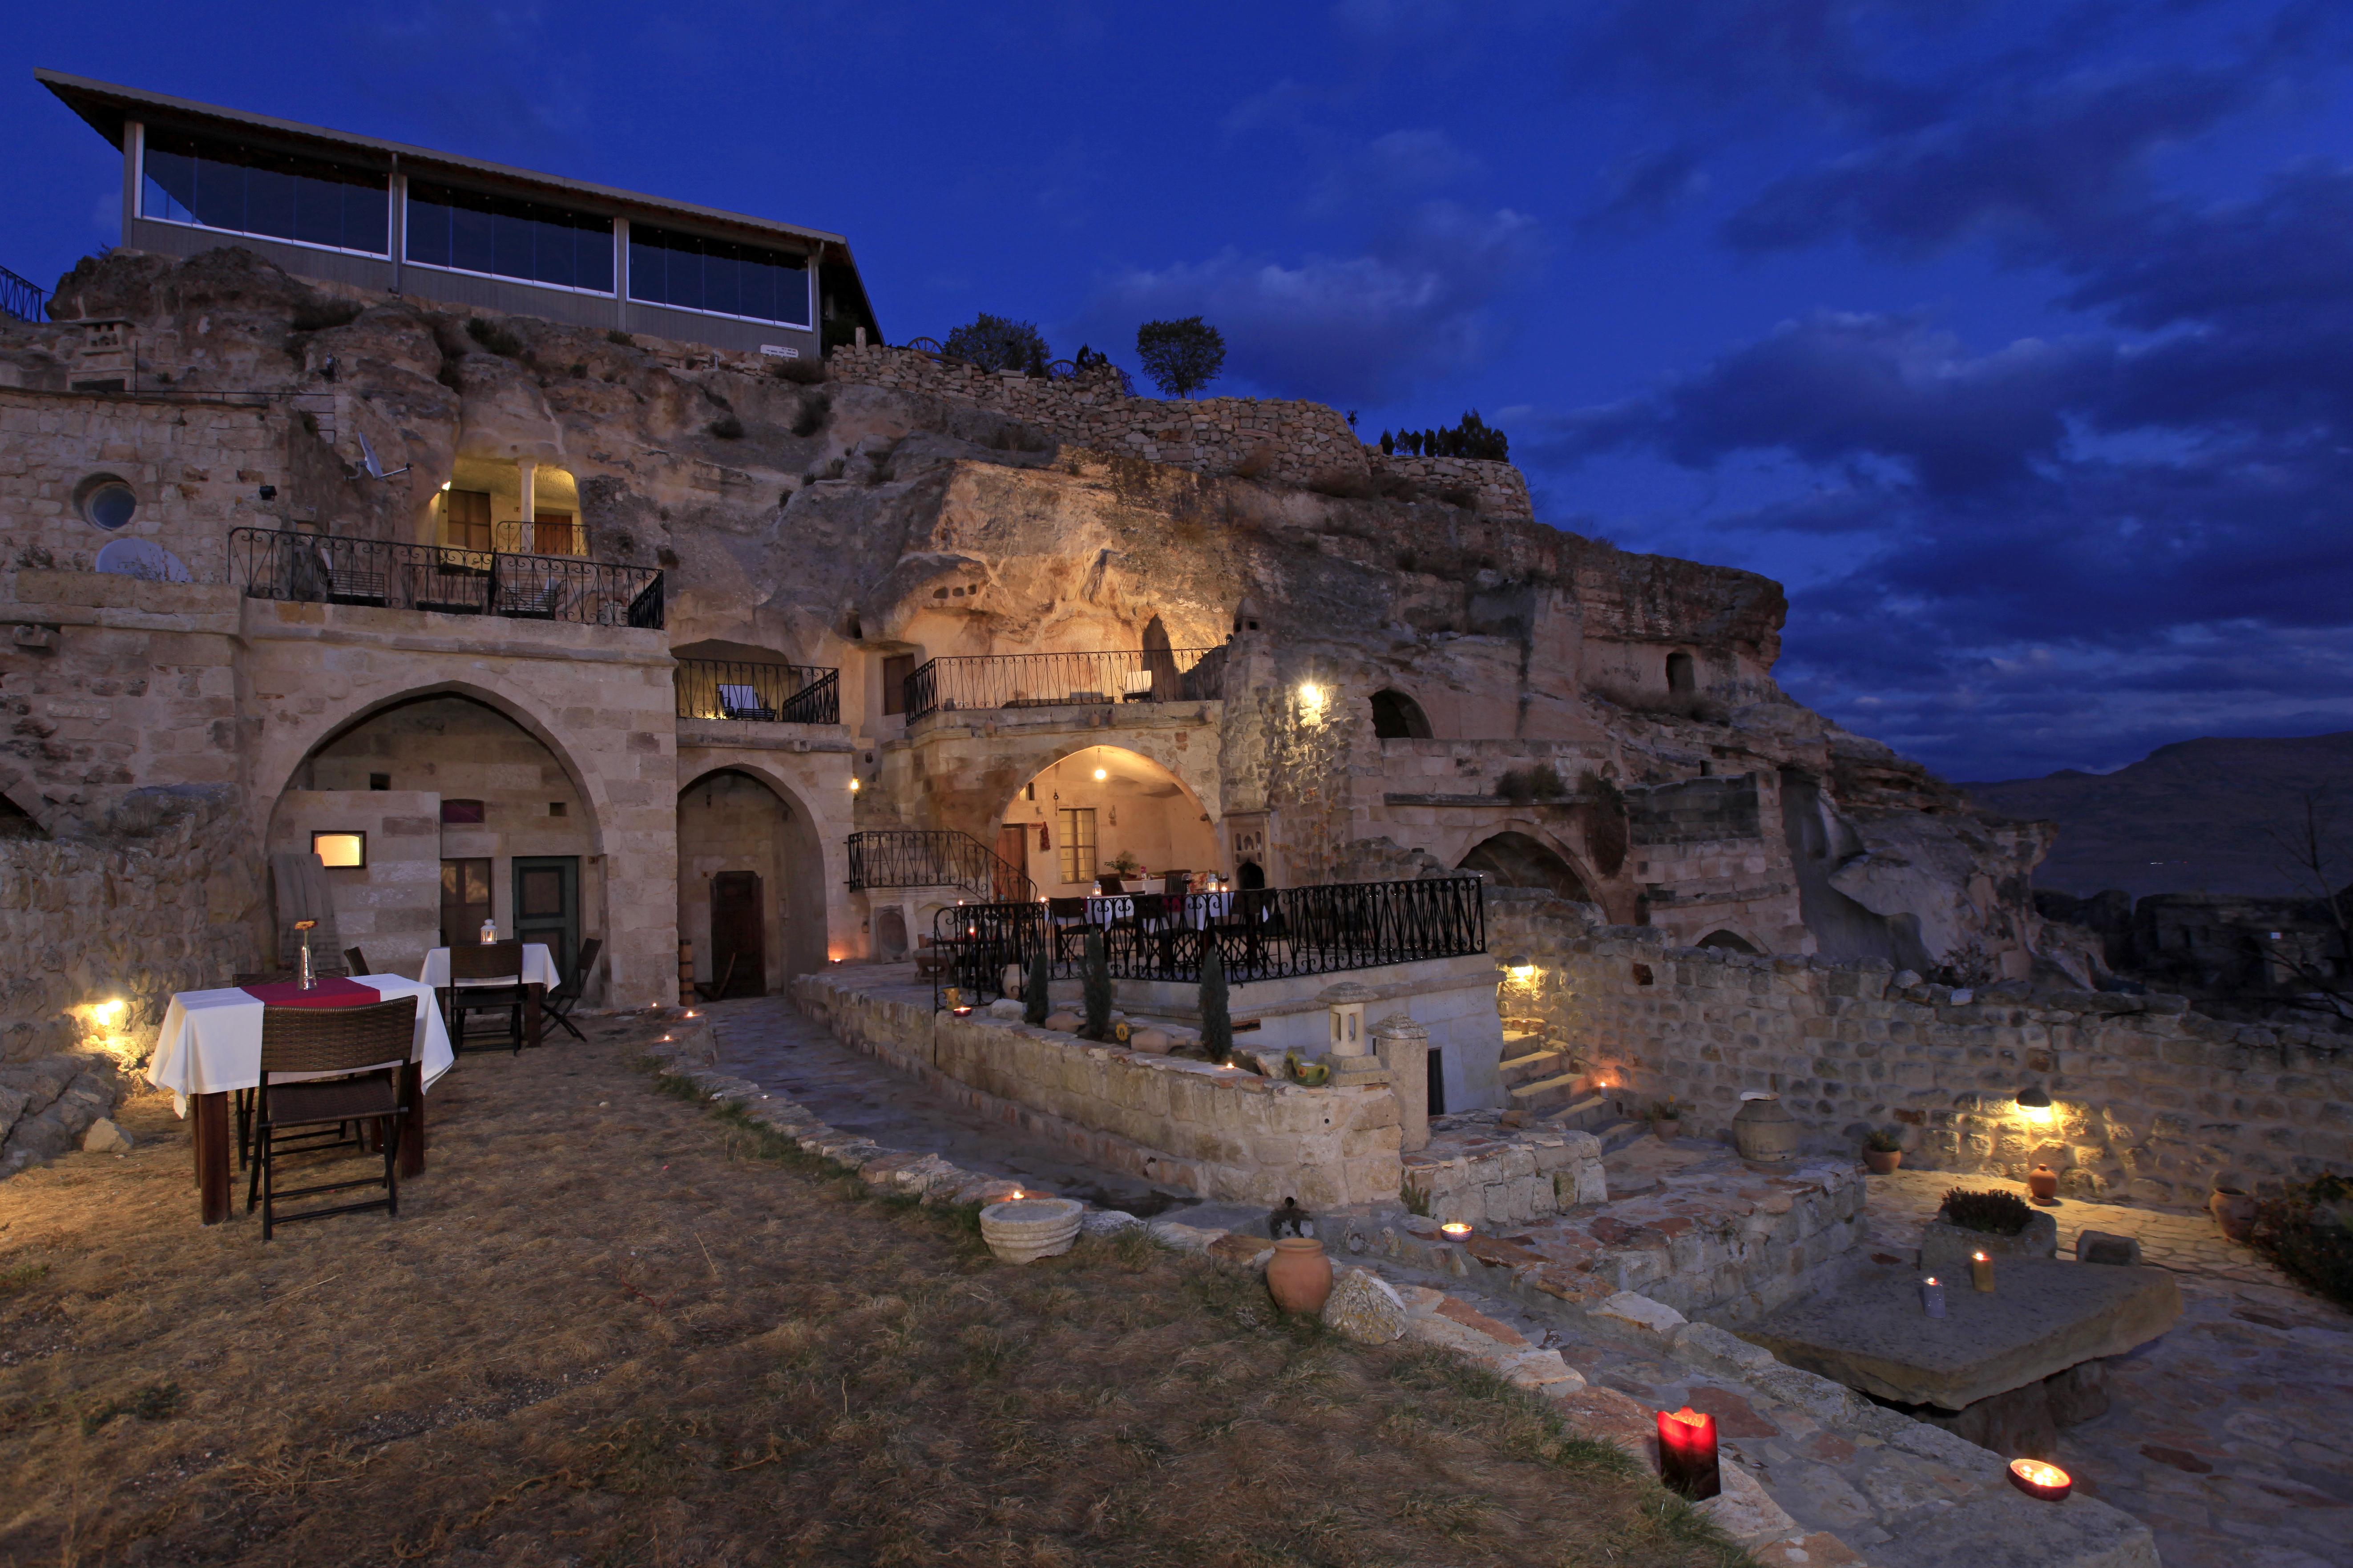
{"x": 1932, "y": 1296}
{"x": 2036, "y": 1479}
{"x": 1687, "y": 1460}
{"x": 1980, "y": 1271}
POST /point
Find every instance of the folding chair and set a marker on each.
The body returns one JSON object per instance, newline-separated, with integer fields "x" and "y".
{"x": 496, "y": 969}
{"x": 558, "y": 1004}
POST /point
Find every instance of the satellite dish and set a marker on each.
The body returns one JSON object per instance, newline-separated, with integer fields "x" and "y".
{"x": 369, "y": 466}
{"x": 144, "y": 559}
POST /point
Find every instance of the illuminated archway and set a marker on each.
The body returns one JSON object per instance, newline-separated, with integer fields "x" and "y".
{"x": 1073, "y": 827}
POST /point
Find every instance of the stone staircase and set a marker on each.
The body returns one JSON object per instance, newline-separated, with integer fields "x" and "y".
{"x": 1539, "y": 1079}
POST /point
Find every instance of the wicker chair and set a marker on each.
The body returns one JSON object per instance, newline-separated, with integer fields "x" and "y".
{"x": 477, "y": 963}
{"x": 560, "y": 1002}
{"x": 323, "y": 1070}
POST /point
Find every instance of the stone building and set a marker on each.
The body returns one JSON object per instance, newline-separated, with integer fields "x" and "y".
{"x": 596, "y": 617}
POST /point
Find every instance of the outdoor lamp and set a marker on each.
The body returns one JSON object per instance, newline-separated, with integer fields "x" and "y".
{"x": 2034, "y": 1104}
{"x": 1521, "y": 969}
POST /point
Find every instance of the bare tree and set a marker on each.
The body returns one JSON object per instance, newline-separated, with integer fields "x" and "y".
{"x": 2313, "y": 851}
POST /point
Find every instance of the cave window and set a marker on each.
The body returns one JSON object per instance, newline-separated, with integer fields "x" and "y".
{"x": 1517, "y": 861}
{"x": 1679, "y": 678}
{"x": 1729, "y": 941}
{"x": 1397, "y": 717}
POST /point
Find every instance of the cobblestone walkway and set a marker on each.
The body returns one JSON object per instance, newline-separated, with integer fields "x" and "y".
{"x": 2228, "y": 1436}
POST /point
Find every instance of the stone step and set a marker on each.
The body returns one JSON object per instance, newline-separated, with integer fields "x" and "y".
{"x": 1518, "y": 1069}
{"x": 1616, "y": 1135}
{"x": 1546, "y": 1093}
{"x": 1588, "y": 1114}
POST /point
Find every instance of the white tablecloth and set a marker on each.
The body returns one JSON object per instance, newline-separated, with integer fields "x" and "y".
{"x": 538, "y": 968}
{"x": 211, "y": 1040}
{"x": 1200, "y": 909}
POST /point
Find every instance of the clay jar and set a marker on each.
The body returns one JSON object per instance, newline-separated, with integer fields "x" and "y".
{"x": 1300, "y": 1276}
{"x": 1764, "y": 1130}
{"x": 2043, "y": 1182}
{"x": 1668, "y": 1127}
{"x": 2233, "y": 1209}
{"x": 1882, "y": 1161}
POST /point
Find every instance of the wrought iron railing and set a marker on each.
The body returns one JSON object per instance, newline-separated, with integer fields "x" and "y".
{"x": 22, "y": 297}
{"x": 317, "y": 568}
{"x": 934, "y": 858}
{"x": 777, "y": 693}
{"x": 1065, "y": 679}
{"x": 1264, "y": 934}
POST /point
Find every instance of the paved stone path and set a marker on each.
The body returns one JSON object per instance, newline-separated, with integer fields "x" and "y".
{"x": 2229, "y": 1436}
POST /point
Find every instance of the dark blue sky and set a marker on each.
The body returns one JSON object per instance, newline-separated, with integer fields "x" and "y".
{"x": 2016, "y": 339}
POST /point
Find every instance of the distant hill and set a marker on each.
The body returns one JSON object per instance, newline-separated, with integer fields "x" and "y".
{"x": 2187, "y": 818}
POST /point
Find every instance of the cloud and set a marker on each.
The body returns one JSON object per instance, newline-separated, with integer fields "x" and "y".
{"x": 1420, "y": 301}
{"x": 1647, "y": 187}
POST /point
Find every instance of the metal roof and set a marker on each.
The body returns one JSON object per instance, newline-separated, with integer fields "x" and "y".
{"x": 106, "y": 106}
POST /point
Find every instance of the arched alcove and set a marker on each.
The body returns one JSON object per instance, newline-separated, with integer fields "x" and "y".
{"x": 1397, "y": 717}
{"x": 1067, "y": 825}
{"x": 1729, "y": 941}
{"x": 1517, "y": 861}
{"x": 751, "y": 882}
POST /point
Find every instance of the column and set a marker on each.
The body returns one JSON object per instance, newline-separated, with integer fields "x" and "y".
{"x": 135, "y": 152}
{"x": 527, "y": 474}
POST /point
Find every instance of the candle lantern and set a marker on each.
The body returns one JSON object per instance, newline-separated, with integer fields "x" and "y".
{"x": 1687, "y": 1453}
{"x": 1981, "y": 1272}
{"x": 1932, "y": 1296}
{"x": 1456, "y": 1230}
{"x": 1345, "y": 1002}
{"x": 489, "y": 932}
{"x": 2036, "y": 1479}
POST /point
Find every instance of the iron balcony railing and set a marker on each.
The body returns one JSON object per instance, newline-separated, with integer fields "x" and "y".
{"x": 1263, "y": 934}
{"x": 1063, "y": 680}
{"x": 776, "y": 693}
{"x": 22, "y": 297}
{"x": 934, "y": 858}
{"x": 319, "y": 568}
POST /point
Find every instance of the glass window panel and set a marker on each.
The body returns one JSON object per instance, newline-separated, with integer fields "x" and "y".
{"x": 253, "y": 189}
{"x": 719, "y": 276}
{"x": 476, "y": 232}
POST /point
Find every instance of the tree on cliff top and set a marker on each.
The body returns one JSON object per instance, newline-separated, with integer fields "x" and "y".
{"x": 1000, "y": 342}
{"x": 1182, "y": 356}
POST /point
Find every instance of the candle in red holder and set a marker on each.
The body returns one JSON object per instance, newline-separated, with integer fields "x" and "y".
{"x": 1687, "y": 1453}
{"x": 1980, "y": 1271}
{"x": 2036, "y": 1479}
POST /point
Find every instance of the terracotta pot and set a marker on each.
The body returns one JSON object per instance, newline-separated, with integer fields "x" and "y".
{"x": 1668, "y": 1127}
{"x": 1882, "y": 1161}
{"x": 2043, "y": 1182}
{"x": 2233, "y": 1209}
{"x": 1299, "y": 1275}
{"x": 1765, "y": 1131}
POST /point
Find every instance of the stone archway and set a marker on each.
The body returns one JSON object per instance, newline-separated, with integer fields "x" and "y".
{"x": 1139, "y": 807}
{"x": 1729, "y": 941}
{"x": 736, "y": 819}
{"x": 1398, "y": 717}
{"x": 1515, "y": 860}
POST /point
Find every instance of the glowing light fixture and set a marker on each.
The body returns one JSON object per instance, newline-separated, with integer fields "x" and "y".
{"x": 853, "y": 786}
{"x": 109, "y": 1013}
{"x": 2034, "y": 1104}
{"x": 1519, "y": 966}
{"x": 2036, "y": 1479}
{"x": 1311, "y": 694}
{"x": 1102, "y": 774}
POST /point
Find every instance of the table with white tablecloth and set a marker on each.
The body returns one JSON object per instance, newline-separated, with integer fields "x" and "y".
{"x": 1201, "y": 910}
{"x": 538, "y": 968}
{"x": 210, "y": 1047}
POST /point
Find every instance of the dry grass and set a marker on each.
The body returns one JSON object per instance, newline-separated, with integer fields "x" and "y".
{"x": 613, "y": 1328}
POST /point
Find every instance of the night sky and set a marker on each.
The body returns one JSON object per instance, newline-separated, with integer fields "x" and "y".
{"x": 2016, "y": 340}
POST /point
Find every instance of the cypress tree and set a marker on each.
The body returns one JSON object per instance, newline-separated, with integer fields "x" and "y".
{"x": 1217, "y": 1022}
{"x": 1034, "y": 1005}
{"x": 1097, "y": 982}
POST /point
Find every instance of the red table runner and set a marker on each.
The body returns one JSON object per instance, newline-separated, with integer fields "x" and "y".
{"x": 335, "y": 992}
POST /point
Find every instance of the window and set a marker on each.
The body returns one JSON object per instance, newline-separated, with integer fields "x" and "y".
{"x": 465, "y": 900}
{"x": 1078, "y": 844}
{"x": 896, "y": 667}
{"x": 105, "y": 502}
{"x": 501, "y": 236}
{"x": 717, "y": 277}
{"x": 466, "y": 519}
{"x": 251, "y": 190}
{"x": 340, "y": 851}
{"x": 1397, "y": 717}
{"x": 461, "y": 812}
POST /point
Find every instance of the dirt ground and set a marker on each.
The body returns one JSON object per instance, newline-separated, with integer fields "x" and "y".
{"x": 611, "y": 1327}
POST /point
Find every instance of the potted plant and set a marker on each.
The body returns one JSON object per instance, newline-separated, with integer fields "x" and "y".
{"x": 1667, "y": 1120}
{"x": 1882, "y": 1152}
{"x": 1125, "y": 864}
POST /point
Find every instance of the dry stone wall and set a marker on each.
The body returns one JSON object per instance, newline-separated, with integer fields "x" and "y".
{"x": 2153, "y": 1102}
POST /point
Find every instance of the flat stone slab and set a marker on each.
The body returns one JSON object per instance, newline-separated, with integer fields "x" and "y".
{"x": 2044, "y": 1317}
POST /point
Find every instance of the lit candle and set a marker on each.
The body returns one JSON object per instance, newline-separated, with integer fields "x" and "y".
{"x": 1687, "y": 1453}
{"x": 1456, "y": 1230}
{"x": 1981, "y": 1272}
{"x": 1932, "y": 1296}
{"x": 2036, "y": 1479}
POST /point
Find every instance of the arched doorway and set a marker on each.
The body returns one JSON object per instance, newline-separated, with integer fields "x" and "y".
{"x": 437, "y": 812}
{"x": 1516, "y": 860}
{"x": 1397, "y": 717}
{"x": 751, "y": 884}
{"x": 1681, "y": 678}
{"x": 1729, "y": 941}
{"x": 1099, "y": 812}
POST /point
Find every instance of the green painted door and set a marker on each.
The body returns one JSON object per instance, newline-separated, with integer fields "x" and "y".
{"x": 547, "y": 904}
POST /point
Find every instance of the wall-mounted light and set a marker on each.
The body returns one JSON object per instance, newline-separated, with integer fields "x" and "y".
{"x": 2034, "y": 1104}
{"x": 853, "y": 786}
{"x": 1521, "y": 969}
{"x": 1102, "y": 774}
{"x": 1310, "y": 694}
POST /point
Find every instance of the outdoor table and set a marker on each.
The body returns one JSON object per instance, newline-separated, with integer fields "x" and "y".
{"x": 210, "y": 1048}
{"x": 539, "y": 976}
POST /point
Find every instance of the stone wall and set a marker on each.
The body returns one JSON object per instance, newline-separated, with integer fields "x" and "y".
{"x": 1223, "y": 1132}
{"x": 1290, "y": 442}
{"x": 2152, "y": 1101}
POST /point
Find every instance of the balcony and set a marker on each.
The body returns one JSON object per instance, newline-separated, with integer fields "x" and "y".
{"x": 314, "y": 568}
{"x": 1067, "y": 679}
{"x": 768, "y": 693}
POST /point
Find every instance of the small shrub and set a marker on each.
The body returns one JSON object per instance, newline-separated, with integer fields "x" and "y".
{"x": 727, "y": 428}
{"x": 1880, "y": 1141}
{"x": 1096, "y": 981}
{"x": 1991, "y": 1214}
{"x": 1035, "y": 989}
{"x": 1000, "y": 342}
{"x": 495, "y": 337}
{"x": 2303, "y": 1231}
{"x": 620, "y": 339}
{"x": 1217, "y": 1019}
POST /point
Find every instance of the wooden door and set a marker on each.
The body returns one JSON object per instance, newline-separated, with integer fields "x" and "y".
{"x": 739, "y": 932}
{"x": 547, "y": 904}
{"x": 1013, "y": 849}
{"x": 465, "y": 900}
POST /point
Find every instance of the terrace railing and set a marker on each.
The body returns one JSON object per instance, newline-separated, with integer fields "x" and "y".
{"x": 776, "y": 693}
{"x": 934, "y": 858}
{"x": 1064, "y": 679}
{"x": 316, "y": 568}
{"x": 22, "y": 297}
{"x": 1264, "y": 934}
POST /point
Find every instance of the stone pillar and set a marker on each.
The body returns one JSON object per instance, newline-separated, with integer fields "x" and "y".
{"x": 1404, "y": 1048}
{"x": 527, "y": 480}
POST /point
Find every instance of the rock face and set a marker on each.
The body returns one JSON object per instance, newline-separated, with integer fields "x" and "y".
{"x": 1364, "y": 1307}
{"x": 46, "y": 1105}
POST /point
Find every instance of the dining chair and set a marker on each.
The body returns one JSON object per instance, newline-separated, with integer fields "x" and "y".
{"x": 1068, "y": 918}
{"x": 496, "y": 970}
{"x": 558, "y": 1004}
{"x": 325, "y": 1070}
{"x": 355, "y": 962}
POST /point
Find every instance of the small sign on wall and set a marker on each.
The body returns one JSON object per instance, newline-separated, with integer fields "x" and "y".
{"x": 778, "y": 350}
